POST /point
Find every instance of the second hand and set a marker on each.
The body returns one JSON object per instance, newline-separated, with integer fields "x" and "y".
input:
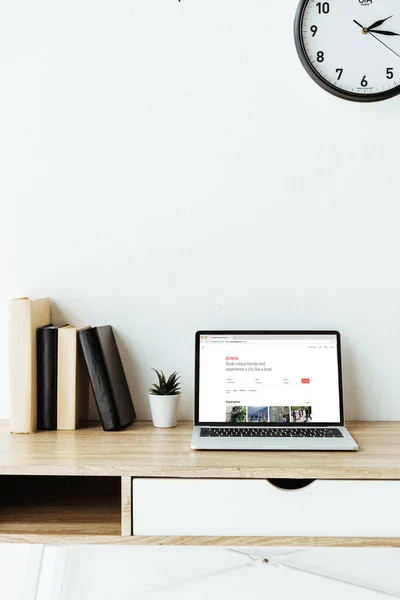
{"x": 359, "y": 24}
{"x": 383, "y": 43}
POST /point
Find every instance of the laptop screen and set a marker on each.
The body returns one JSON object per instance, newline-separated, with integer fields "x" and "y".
{"x": 281, "y": 378}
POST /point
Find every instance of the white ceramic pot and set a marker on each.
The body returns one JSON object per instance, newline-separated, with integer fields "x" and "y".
{"x": 164, "y": 410}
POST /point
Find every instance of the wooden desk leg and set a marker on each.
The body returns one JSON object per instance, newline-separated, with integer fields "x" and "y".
{"x": 126, "y": 506}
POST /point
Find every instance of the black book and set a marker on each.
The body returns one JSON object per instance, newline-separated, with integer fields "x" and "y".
{"x": 107, "y": 377}
{"x": 46, "y": 349}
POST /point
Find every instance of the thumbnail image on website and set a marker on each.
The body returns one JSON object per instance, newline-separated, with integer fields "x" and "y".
{"x": 269, "y": 379}
{"x": 266, "y": 414}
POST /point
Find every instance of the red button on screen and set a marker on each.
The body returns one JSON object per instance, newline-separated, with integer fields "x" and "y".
{"x": 305, "y": 380}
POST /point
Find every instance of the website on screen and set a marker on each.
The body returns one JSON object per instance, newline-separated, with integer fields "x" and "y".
{"x": 269, "y": 379}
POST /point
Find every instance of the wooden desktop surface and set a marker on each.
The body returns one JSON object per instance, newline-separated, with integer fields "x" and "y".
{"x": 144, "y": 451}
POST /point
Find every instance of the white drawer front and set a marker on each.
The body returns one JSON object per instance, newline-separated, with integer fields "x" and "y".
{"x": 224, "y": 507}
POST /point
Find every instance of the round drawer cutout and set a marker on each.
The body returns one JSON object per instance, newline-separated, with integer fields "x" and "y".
{"x": 290, "y": 484}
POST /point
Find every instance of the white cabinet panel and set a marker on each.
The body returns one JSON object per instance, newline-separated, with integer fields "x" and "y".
{"x": 163, "y": 573}
{"x": 261, "y": 581}
{"x": 122, "y": 572}
{"x": 19, "y": 571}
{"x": 256, "y": 507}
{"x": 373, "y": 568}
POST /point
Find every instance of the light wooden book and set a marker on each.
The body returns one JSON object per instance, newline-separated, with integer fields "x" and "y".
{"x": 72, "y": 380}
{"x": 25, "y": 316}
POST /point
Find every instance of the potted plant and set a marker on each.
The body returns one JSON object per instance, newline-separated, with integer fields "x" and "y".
{"x": 164, "y": 399}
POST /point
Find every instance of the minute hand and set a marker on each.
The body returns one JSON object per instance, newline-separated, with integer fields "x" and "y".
{"x": 379, "y": 23}
{"x": 383, "y": 32}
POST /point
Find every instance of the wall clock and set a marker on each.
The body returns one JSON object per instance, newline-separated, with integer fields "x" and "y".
{"x": 351, "y": 48}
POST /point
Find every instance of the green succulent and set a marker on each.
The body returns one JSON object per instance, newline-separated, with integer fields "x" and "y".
{"x": 166, "y": 387}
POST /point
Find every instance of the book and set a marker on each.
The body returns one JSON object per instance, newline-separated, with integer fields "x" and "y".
{"x": 25, "y": 316}
{"x": 72, "y": 380}
{"x": 47, "y": 349}
{"x": 107, "y": 377}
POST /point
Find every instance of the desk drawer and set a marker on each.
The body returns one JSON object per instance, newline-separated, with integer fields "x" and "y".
{"x": 229, "y": 507}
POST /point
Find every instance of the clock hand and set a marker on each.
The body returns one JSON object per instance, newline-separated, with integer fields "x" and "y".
{"x": 365, "y": 31}
{"x": 378, "y": 23}
{"x": 383, "y": 32}
{"x": 372, "y": 27}
{"x": 374, "y": 36}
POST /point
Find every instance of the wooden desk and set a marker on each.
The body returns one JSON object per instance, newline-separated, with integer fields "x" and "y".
{"x": 76, "y": 486}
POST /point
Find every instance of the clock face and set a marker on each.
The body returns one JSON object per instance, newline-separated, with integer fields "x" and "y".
{"x": 351, "y": 47}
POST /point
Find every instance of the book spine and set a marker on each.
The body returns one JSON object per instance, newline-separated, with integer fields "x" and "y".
{"x": 66, "y": 379}
{"x": 116, "y": 375}
{"x": 99, "y": 379}
{"x": 22, "y": 409}
{"x": 46, "y": 340}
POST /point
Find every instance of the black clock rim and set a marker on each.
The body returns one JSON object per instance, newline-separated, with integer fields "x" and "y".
{"x": 301, "y": 51}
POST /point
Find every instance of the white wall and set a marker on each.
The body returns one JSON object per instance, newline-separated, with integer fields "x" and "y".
{"x": 169, "y": 166}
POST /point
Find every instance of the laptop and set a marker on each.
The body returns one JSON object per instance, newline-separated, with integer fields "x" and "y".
{"x": 269, "y": 390}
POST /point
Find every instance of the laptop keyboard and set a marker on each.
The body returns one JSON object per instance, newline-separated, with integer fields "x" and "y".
{"x": 271, "y": 432}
